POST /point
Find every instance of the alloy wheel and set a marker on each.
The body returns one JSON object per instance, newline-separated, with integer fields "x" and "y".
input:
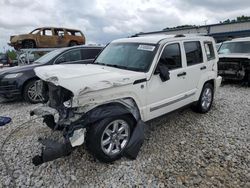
{"x": 35, "y": 92}
{"x": 115, "y": 137}
{"x": 206, "y": 99}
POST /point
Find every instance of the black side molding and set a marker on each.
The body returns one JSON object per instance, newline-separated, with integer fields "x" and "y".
{"x": 140, "y": 81}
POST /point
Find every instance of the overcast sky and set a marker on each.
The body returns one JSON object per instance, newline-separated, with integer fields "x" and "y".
{"x": 104, "y": 20}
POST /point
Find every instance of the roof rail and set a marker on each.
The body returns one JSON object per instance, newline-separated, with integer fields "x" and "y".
{"x": 179, "y": 35}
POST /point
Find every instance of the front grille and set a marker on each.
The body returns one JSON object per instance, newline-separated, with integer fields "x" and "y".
{"x": 7, "y": 88}
{"x": 229, "y": 66}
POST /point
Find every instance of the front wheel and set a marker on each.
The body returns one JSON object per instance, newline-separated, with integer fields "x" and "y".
{"x": 29, "y": 44}
{"x": 206, "y": 99}
{"x": 248, "y": 78}
{"x": 32, "y": 92}
{"x": 108, "y": 138}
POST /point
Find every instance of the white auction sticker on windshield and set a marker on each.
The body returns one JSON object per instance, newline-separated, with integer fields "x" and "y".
{"x": 146, "y": 47}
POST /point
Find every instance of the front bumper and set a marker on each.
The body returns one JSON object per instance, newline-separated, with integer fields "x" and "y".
{"x": 9, "y": 89}
{"x": 16, "y": 45}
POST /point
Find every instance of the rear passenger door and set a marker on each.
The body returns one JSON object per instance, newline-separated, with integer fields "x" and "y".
{"x": 195, "y": 63}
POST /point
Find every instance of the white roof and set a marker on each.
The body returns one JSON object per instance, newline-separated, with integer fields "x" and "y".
{"x": 154, "y": 39}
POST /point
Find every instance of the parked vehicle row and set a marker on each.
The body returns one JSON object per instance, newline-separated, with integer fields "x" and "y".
{"x": 105, "y": 104}
{"x": 22, "y": 82}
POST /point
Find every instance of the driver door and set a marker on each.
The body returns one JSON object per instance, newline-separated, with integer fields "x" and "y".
{"x": 166, "y": 96}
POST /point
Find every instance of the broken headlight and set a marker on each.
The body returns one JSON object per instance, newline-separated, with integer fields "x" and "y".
{"x": 58, "y": 95}
{"x": 68, "y": 104}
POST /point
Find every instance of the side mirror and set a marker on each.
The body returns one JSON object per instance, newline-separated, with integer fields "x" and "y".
{"x": 163, "y": 72}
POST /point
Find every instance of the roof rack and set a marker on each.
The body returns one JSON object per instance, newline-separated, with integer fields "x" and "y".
{"x": 179, "y": 35}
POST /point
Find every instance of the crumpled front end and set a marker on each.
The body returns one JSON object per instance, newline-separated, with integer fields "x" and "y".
{"x": 80, "y": 96}
{"x": 233, "y": 68}
{"x": 58, "y": 117}
{"x": 59, "y": 114}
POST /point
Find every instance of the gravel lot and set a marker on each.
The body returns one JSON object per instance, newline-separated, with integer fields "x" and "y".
{"x": 184, "y": 149}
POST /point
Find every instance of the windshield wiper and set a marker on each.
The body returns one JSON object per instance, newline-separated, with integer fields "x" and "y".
{"x": 124, "y": 67}
{"x": 119, "y": 66}
{"x": 99, "y": 63}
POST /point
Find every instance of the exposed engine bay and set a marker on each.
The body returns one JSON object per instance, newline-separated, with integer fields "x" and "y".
{"x": 234, "y": 68}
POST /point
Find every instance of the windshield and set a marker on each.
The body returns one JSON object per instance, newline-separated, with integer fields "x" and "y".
{"x": 130, "y": 56}
{"x": 36, "y": 31}
{"x": 47, "y": 57}
{"x": 235, "y": 47}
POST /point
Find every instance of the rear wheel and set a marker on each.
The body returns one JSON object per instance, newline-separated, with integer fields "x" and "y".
{"x": 107, "y": 138}
{"x": 206, "y": 99}
{"x": 28, "y": 44}
{"x": 32, "y": 92}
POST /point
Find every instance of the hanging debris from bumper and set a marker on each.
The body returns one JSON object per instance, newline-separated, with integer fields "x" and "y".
{"x": 53, "y": 150}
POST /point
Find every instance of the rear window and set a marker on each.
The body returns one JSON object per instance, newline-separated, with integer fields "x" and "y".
{"x": 193, "y": 53}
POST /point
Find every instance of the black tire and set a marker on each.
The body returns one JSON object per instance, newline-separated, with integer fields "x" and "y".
{"x": 205, "y": 102}
{"x": 248, "y": 78}
{"x": 72, "y": 43}
{"x": 28, "y": 44}
{"x": 27, "y": 94}
{"x": 95, "y": 136}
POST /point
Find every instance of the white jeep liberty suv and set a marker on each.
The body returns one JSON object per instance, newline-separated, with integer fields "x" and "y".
{"x": 133, "y": 80}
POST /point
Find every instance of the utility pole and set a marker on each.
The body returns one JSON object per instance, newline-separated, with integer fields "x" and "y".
{"x": 205, "y": 21}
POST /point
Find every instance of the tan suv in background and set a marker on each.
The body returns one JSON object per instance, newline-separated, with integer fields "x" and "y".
{"x": 48, "y": 37}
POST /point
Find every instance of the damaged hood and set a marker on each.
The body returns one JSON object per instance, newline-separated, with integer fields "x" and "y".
{"x": 81, "y": 79}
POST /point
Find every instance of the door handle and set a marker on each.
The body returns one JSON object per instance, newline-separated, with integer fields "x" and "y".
{"x": 203, "y": 68}
{"x": 182, "y": 74}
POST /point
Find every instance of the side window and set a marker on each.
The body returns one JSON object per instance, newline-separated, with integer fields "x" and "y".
{"x": 78, "y": 33}
{"x": 171, "y": 56}
{"x": 209, "y": 50}
{"x": 90, "y": 53}
{"x": 59, "y": 32}
{"x": 193, "y": 53}
{"x": 73, "y": 55}
{"x": 47, "y": 32}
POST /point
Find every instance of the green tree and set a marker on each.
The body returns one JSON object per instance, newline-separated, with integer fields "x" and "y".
{"x": 11, "y": 54}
